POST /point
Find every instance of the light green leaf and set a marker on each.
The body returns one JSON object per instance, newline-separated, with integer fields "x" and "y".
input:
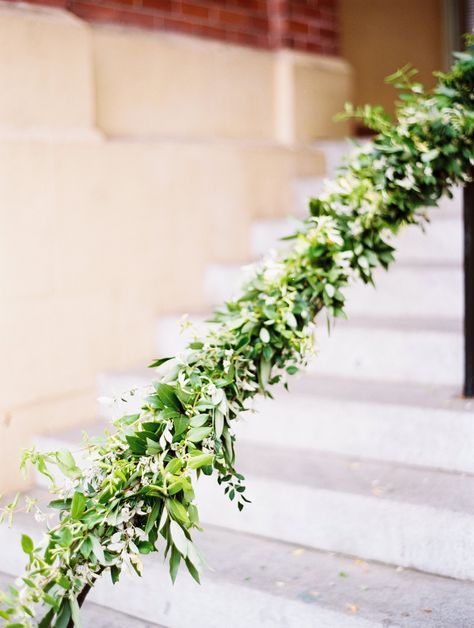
{"x": 97, "y": 549}
{"x": 179, "y": 538}
{"x": 201, "y": 460}
{"x": 27, "y": 544}
{"x": 197, "y": 434}
{"x": 174, "y": 465}
{"x": 264, "y": 335}
{"x": 177, "y": 510}
{"x": 218, "y": 423}
{"x": 330, "y": 289}
{"x": 199, "y": 420}
{"x": 75, "y": 612}
{"x": 291, "y": 320}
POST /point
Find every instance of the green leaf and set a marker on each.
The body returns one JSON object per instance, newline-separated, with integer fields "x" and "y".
{"x": 75, "y": 612}
{"x": 145, "y": 547}
{"x": 67, "y": 464}
{"x": 218, "y": 422}
{"x": 65, "y": 537}
{"x": 330, "y": 289}
{"x": 136, "y": 445}
{"x": 264, "y": 371}
{"x": 64, "y": 615}
{"x": 97, "y": 549}
{"x": 197, "y": 434}
{"x": 46, "y": 620}
{"x": 127, "y": 419}
{"x": 177, "y": 510}
{"x": 86, "y": 547}
{"x": 27, "y": 544}
{"x": 291, "y": 320}
{"x": 153, "y": 516}
{"x": 114, "y": 574}
{"x": 158, "y": 362}
{"x": 60, "y": 504}
{"x": 174, "y": 465}
{"x": 167, "y": 396}
{"x": 200, "y": 460}
{"x": 175, "y": 559}
{"x": 179, "y": 538}
{"x": 182, "y": 483}
{"x": 199, "y": 420}
{"x": 264, "y": 335}
{"x": 78, "y": 505}
{"x": 193, "y": 571}
{"x": 181, "y": 422}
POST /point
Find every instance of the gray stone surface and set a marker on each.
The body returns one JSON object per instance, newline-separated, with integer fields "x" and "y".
{"x": 278, "y": 585}
{"x": 95, "y": 616}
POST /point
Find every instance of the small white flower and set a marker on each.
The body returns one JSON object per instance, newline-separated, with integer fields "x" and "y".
{"x": 141, "y": 534}
{"x": 211, "y": 389}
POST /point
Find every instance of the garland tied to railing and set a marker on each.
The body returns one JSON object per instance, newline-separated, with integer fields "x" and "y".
{"x": 138, "y": 485}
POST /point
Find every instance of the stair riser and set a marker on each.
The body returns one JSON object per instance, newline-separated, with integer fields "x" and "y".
{"x": 425, "y": 357}
{"x": 408, "y": 435}
{"x": 428, "y": 357}
{"x": 403, "y": 291}
{"x": 409, "y": 292}
{"x": 432, "y": 540}
{"x": 186, "y": 605}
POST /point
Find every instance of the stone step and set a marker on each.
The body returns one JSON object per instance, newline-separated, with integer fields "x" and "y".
{"x": 397, "y": 514}
{"x": 418, "y": 289}
{"x": 391, "y": 350}
{"x": 399, "y": 350}
{"x": 254, "y": 581}
{"x": 435, "y": 435}
{"x": 440, "y": 243}
{"x": 96, "y": 615}
{"x": 404, "y": 423}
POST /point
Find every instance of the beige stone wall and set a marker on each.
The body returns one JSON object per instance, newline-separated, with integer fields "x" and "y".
{"x": 378, "y": 37}
{"x": 128, "y": 162}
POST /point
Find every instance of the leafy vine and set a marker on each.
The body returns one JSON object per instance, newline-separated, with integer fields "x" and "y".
{"x": 135, "y": 495}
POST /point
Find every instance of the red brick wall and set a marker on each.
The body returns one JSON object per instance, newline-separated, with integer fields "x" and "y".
{"x": 308, "y": 25}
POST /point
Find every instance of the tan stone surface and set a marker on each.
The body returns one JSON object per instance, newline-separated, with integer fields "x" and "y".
{"x": 103, "y": 232}
{"x": 45, "y": 71}
{"x": 161, "y": 84}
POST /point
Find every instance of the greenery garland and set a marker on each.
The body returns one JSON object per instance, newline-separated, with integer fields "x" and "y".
{"x": 138, "y": 485}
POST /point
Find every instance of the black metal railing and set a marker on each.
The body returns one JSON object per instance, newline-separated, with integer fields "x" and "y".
{"x": 468, "y": 217}
{"x": 467, "y": 23}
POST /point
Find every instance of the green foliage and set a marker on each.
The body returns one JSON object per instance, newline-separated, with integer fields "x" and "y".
{"x": 136, "y": 493}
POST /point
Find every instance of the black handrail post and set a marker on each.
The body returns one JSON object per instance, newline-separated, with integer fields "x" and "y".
{"x": 468, "y": 217}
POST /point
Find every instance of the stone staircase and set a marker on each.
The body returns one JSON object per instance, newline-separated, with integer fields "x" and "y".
{"x": 361, "y": 478}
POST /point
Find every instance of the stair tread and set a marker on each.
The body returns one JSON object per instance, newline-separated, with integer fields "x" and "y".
{"x": 317, "y": 581}
{"x": 97, "y": 616}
